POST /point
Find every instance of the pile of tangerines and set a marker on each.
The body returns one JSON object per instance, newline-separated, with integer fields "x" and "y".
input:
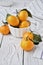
{"x": 20, "y": 21}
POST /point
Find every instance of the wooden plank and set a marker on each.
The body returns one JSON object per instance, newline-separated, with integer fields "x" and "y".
{"x": 11, "y": 52}
{"x": 40, "y": 62}
{"x": 29, "y": 60}
{"x": 23, "y": 58}
{"x": 1, "y": 39}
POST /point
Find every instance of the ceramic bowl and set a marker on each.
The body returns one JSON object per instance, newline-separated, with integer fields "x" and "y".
{"x": 18, "y": 32}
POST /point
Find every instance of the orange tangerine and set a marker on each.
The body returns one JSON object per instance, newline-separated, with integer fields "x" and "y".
{"x": 23, "y": 15}
{"x": 4, "y": 30}
{"x": 24, "y": 24}
{"x": 28, "y": 34}
{"x": 27, "y": 45}
{"x": 13, "y": 20}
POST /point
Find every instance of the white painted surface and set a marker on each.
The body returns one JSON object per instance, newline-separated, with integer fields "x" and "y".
{"x": 10, "y": 51}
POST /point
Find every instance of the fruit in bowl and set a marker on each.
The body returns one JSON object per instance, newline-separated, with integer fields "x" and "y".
{"x": 23, "y": 15}
{"x": 24, "y": 24}
{"x": 18, "y": 24}
{"x": 12, "y": 20}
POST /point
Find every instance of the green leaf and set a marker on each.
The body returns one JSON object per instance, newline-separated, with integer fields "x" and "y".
{"x": 37, "y": 39}
{"x": 29, "y": 14}
{"x": 7, "y": 16}
{"x": 36, "y": 42}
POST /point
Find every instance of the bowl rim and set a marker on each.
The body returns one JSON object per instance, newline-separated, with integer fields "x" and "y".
{"x": 18, "y": 28}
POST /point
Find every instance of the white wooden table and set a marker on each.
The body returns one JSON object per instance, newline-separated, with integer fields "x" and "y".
{"x": 12, "y": 54}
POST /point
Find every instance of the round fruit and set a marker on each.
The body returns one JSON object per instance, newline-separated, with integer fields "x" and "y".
{"x": 24, "y": 24}
{"x": 13, "y": 20}
{"x": 23, "y": 15}
{"x": 28, "y": 34}
{"x": 27, "y": 45}
{"x": 4, "y": 30}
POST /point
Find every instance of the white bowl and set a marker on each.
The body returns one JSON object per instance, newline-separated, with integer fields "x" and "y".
{"x": 18, "y": 32}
